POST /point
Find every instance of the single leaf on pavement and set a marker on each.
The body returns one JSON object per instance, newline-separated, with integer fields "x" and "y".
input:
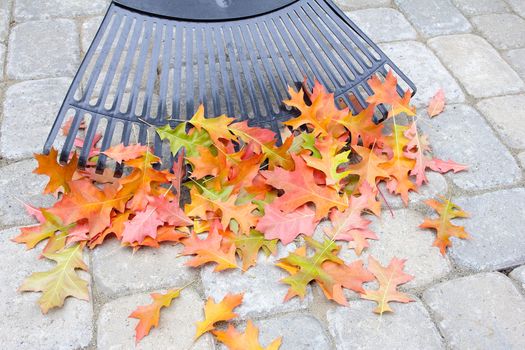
{"x": 149, "y": 315}
{"x": 437, "y": 104}
{"x": 249, "y": 340}
{"x": 443, "y": 226}
{"x": 216, "y": 312}
{"x": 389, "y": 279}
{"x": 59, "y": 176}
{"x": 61, "y": 281}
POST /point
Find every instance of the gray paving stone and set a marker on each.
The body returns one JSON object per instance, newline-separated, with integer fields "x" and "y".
{"x": 30, "y": 109}
{"x": 88, "y": 31}
{"x": 516, "y": 58}
{"x": 298, "y": 331}
{"x": 481, "y": 7}
{"x": 496, "y": 227}
{"x": 462, "y": 135}
{"x": 477, "y": 65}
{"x": 409, "y": 327}
{"x": 263, "y": 293}
{"x": 392, "y": 27}
{"x": 504, "y": 31}
{"x": 42, "y": 49}
{"x": 437, "y": 184}
{"x": 26, "y": 10}
{"x": 401, "y": 237}
{"x": 518, "y": 6}
{"x": 176, "y": 328}
{"x": 425, "y": 70}
{"x": 13, "y": 190}
{"x": 521, "y": 158}
{"x": 519, "y": 275}
{"x": 22, "y": 323}
{"x": 358, "y": 4}
{"x": 2, "y": 61}
{"x": 506, "y": 114}
{"x": 434, "y": 17}
{"x": 5, "y": 18}
{"x": 483, "y": 311}
{"x": 118, "y": 271}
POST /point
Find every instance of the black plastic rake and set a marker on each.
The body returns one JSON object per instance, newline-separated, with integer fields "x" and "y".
{"x": 159, "y": 58}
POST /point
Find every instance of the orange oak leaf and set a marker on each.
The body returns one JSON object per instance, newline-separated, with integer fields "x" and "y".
{"x": 121, "y": 153}
{"x": 217, "y": 127}
{"x": 389, "y": 279}
{"x": 206, "y": 163}
{"x": 437, "y": 104}
{"x": 300, "y": 188}
{"x": 362, "y": 127}
{"x": 248, "y": 247}
{"x": 217, "y": 312}
{"x": 86, "y": 201}
{"x": 350, "y": 276}
{"x": 169, "y": 211}
{"x": 385, "y": 92}
{"x": 249, "y": 134}
{"x": 332, "y": 158}
{"x": 444, "y": 226}
{"x": 210, "y": 249}
{"x": 369, "y": 169}
{"x": 59, "y": 176}
{"x": 117, "y": 228}
{"x": 149, "y": 315}
{"x": 287, "y": 226}
{"x": 249, "y": 340}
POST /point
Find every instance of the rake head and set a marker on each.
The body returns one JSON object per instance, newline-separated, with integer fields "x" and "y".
{"x": 154, "y": 65}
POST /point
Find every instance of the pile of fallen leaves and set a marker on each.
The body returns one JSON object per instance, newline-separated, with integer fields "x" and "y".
{"x": 247, "y": 192}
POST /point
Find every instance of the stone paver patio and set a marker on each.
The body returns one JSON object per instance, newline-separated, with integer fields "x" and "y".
{"x": 472, "y": 299}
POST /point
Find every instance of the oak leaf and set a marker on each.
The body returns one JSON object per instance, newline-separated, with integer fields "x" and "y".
{"x": 444, "y": 227}
{"x": 217, "y": 127}
{"x": 437, "y": 104}
{"x": 210, "y": 249}
{"x": 180, "y": 139}
{"x": 217, "y": 312}
{"x": 149, "y": 315}
{"x": 249, "y": 246}
{"x": 121, "y": 153}
{"x": 59, "y": 175}
{"x": 249, "y": 340}
{"x": 287, "y": 226}
{"x": 143, "y": 224}
{"x": 331, "y": 160}
{"x": 389, "y": 279}
{"x": 385, "y": 92}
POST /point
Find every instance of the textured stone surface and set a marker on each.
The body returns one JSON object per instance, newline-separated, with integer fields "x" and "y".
{"x": 434, "y": 17}
{"x": 298, "y": 332}
{"x": 26, "y": 10}
{"x": 518, "y": 6}
{"x": 409, "y": 327}
{"x": 42, "y": 49}
{"x": 483, "y": 311}
{"x": 30, "y": 109}
{"x": 176, "y": 327}
{"x": 357, "y": 4}
{"x": 88, "y": 30}
{"x": 504, "y": 31}
{"x": 496, "y": 228}
{"x": 477, "y": 65}
{"x": 263, "y": 293}
{"x": 425, "y": 70}
{"x": 2, "y": 61}
{"x": 506, "y": 114}
{"x": 521, "y": 158}
{"x": 22, "y": 324}
{"x": 5, "y": 18}
{"x": 117, "y": 270}
{"x": 519, "y": 275}
{"x": 437, "y": 184}
{"x": 12, "y": 191}
{"x": 481, "y": 7}
{"x": 516, "y": 58}
{"x": 400, "y": 236}
{"x": 461, "y": 134}
{"x": 392, "y": 27}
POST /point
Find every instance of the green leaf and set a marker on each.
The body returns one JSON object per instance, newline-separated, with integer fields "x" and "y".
{"x": 179, "y": 138}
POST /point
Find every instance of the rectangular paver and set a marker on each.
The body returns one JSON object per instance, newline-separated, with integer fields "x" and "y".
{"x": 516, "y": 58}
{"x": 504, "y": 31}
{"x": 434, "y": 17}
{"x": 497, "y": 231}
{"x": 420, "y": 64}
{"x": 26, "y": 10}
{"x": 392, "y": 25}
{"x": 477, "y": 65}
{"x": 409, "y": 327}
{"x": 5, "y": 18}
{"x": 461, "y": 134}
{"x": 483, "y": 311}
{"x": 30, "y": 109}
{"x": 2, "y": 61}
{"x": 42, "y": 49}
{"x": 506, "y": 114}
{"x": 481, "y": 7}
{"x": 22, "y": 324}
